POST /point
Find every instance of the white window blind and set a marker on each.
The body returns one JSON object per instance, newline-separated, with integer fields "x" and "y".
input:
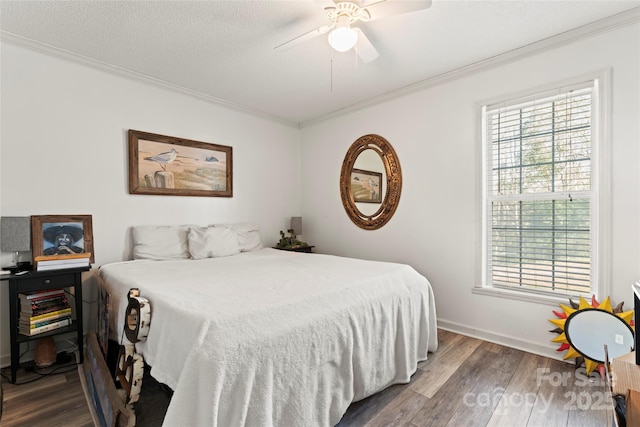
{"x": 539, "y": 193}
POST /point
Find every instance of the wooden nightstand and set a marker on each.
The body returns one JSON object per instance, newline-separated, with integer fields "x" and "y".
{"x": 37, "y": 281}
{"x": 307, "y": 249}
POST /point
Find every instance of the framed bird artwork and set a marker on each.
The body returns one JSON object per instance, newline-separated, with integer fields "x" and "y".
{"x": 366, "y": 186}
{"x": 172, "y": 166}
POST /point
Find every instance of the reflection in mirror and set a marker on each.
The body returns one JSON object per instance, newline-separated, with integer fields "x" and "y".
{"x": 589, "y": 330}
{"x": 370, "y": 182}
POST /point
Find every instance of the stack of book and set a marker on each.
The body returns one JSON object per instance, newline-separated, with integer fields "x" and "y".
{"x": 43, "y": 311}
{"x": 57, "y": 262}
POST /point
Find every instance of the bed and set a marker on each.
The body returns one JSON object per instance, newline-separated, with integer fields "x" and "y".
{"x": 265, "y": 337}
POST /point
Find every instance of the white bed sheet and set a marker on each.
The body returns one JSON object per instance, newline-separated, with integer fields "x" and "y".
{"x": 275, "y": 338}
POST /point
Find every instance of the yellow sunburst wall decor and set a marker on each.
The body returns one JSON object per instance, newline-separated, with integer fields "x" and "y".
{"x": 601, "y": 325}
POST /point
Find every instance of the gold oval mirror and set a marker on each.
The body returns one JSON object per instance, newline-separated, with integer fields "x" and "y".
{"x": 370, "y": 182}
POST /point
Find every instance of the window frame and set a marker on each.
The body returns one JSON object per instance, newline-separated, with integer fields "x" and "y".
{"x": 600, "y": 182}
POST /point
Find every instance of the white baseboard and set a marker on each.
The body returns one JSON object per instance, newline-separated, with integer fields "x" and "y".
{"x": 517, "y": 343}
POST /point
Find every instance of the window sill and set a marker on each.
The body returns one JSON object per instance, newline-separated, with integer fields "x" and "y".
{"x": 524, "y": 296}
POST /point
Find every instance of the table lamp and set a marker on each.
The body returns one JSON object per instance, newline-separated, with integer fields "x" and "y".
{"x": 296, "y": 225}
{"x": 15, "y": 236}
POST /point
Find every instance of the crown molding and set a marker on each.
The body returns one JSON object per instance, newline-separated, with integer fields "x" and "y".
{"x": 611, "y": 23}
{"x": 614, "y": 22}
{"x": 57, "y": 52}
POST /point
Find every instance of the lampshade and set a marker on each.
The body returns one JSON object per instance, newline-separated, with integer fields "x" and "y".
{"x": 296, "y": 225}
{"x": 343, "y": 38}
{"x": 15, "y": 233}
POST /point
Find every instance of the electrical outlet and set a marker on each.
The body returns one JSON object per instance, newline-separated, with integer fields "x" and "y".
{"x": 619, "y": 339}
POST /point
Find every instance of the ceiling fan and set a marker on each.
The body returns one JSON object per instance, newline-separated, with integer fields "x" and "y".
{"x": 343, "y": 14}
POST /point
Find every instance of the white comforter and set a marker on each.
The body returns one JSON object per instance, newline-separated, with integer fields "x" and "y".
{"x": 275, "y": 338}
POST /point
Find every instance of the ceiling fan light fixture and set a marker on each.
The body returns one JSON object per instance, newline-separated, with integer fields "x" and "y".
{"x": 343, "y": 38}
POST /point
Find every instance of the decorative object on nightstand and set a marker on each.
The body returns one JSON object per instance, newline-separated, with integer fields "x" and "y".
{"x": 16, "y": 238}
{"x": 45, "y": 353}
{"x": 55, "y": 236}
{"x": 292, "y": 243}
{"x": 296, "y": 248}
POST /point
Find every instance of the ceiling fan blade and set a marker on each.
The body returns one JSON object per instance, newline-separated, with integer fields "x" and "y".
{"x": 303, "y": 38}
{"x": 383, "y": 8}
{"x": 323, "y": 4}
{"x": 364, "y": 49}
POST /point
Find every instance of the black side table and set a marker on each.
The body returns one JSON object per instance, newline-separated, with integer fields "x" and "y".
{"x": 38, "y": 281}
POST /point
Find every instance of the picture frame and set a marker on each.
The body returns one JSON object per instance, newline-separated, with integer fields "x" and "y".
{"x": 366, "y": 186}
{"x": 172, "y": 166}
{"x": 53, "y": 236}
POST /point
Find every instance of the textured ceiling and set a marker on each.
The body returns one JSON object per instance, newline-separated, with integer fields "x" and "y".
{"x": 224, "y": 50}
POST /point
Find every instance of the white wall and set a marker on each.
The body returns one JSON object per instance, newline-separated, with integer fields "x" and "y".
{"x": 437, "y": 227}
{"x": 64, "y": 151}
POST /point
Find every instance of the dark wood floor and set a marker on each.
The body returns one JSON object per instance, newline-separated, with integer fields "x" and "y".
{"x": 52, "y": 400}
{"x": 467, "y": 382}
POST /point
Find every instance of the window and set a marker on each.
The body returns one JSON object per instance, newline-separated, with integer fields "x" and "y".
{"x": 540, "y": 192}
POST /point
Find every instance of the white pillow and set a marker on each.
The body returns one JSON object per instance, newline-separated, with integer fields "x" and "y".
{"x": 160, "y": 242}
{"x": 248, "y": 235}
{"x": 211, "y": 242}
{"x": 249, "y": 240}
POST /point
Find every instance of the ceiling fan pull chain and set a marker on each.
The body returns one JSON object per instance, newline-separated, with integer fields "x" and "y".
{"x": 331, "y": 75}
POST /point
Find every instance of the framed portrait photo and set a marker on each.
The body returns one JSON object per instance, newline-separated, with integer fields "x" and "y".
{"x": 56, "y": 235}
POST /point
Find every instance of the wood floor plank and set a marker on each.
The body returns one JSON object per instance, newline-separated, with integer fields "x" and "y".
{"x": 443, "y": 365}
{"x": 53, "y": 400}
{"x": 15, "y": 391}
{"x": 446, "y": 340}
{"x": 481, "y": 401}
{"x": 439, "y": 409}
{"x": 550, "y": 406}
{"x": 492, "y": 347}
{"x": 514, "y": 408}
{"x": 360, "y": 413}
{"x": 590, "y": 401}
{"x": 400, "y": 411}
